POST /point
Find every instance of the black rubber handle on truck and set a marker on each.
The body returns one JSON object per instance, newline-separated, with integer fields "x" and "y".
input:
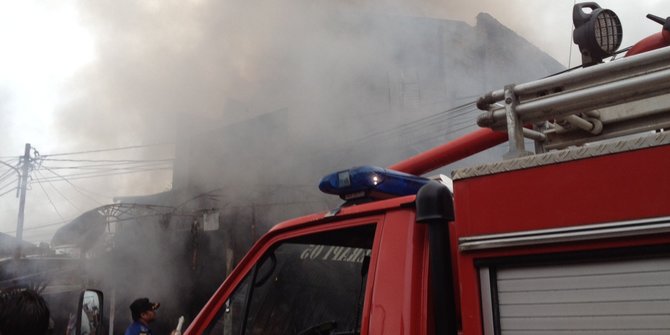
{"x": 434, "y": 207}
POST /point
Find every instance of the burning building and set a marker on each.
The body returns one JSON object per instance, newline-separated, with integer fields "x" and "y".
{"x": 237, "y": 173}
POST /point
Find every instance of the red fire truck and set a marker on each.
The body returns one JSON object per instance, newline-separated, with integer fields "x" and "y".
{"x": 572, "y": 238}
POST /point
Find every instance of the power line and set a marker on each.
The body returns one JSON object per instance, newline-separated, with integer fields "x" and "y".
{"x": 49, "y": 198}
{"x": 61, "y": 194}
{"x": 129, "y": 161}
{"x": 421, "y": 140}
{"x": 418, "y": 124}
{"x": 9, "y": 191}
{"x": 442, "y": 135}
{"x": 459, "y": 126}
{"x": 5, "y": 178}
{"x": 109, "y": 149}
{"x": 431, "y": 129}
{"x": 42, "y": 226}
{"x": 4, "y": 175}
{"x": 13, "y": 180}
{"x": 444, "y": 115}
{"x": 10, "y": 167}
{"x": 79, "y": 189}
{"x": 97, "y": 174}
{"x": 107, "y": 167}
{"x": 9, "y": 183}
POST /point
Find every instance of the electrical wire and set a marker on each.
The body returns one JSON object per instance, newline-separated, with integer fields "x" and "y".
{"x": 406, "y": 126}
{"x": 9, "y": 191}
{"x": 454, "y": 128}
{"x": 61, "y": 194}
{"x": 108, "y": 149}
{"x": 109, "y": 160}
{"x": 442, "y": 135}
{"x": 419, "y": 123}
{"x": 59, "y": 223}
{"x": 97, "y": 174}
{"x": 421, "y": 126}
{"x": 105, "y": 167}
{"x": 49, "y": 198}
{"x": 452, "y": 117}
{"x": 427, "y": 133}
{"x": 10, "y": 168}
{"x": 9, "y": 176}
{"x": 11, "y": 182}
{"x": 81, "y": 190}
{"x": 7, "y": 173}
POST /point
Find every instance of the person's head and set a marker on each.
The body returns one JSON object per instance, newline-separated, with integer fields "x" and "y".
{"x": 23, "y": 311}
{"x": 144, "y": 310}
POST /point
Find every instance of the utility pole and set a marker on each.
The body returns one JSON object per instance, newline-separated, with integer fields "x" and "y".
{"x": 26, "y": 165}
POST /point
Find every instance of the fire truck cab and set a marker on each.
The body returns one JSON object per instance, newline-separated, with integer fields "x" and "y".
{"x": 573, "y": 237}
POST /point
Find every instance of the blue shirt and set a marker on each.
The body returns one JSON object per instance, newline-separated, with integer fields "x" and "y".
{"x": 138, "y": 328}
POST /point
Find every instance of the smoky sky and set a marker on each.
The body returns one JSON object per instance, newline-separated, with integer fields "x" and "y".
{"x": 156, "y": 62}
{"x": 169, "y": 71}
{"x": 219, "y": 60}
{"x": 229, "y": 60}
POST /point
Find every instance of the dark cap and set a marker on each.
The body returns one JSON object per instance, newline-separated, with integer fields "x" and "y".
{"x": 142, "y": 305}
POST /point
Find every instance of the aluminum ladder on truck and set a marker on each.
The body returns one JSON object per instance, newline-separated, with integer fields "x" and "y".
{"x": 618, "y": 98}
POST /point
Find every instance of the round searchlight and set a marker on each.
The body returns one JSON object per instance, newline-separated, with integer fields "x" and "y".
{"x": 598, "y": 33}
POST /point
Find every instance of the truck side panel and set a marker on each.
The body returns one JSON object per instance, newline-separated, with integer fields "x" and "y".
{"x": 597, "y": 191}
{"x": 624, "y": 186}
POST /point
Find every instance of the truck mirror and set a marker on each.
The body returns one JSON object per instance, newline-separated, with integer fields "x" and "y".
{"x": 89, "y": 314}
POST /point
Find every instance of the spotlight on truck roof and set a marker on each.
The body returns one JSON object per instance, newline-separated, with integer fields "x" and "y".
{"x": 598, "y": 32}
{"x": 371, "y": 182}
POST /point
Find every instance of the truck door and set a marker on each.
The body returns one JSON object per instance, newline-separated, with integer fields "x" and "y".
{"x": 624, "y": 293}
{"x": 308, "y": 282}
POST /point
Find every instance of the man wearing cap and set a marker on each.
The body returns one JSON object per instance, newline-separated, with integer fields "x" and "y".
{"x": 143, "y": 312}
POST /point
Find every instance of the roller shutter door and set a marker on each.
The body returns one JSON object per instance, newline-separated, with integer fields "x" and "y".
{"x": 623, "y": 297}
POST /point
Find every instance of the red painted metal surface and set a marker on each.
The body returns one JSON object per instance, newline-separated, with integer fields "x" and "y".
{"x": 655, "y": 41}
{"x": 453, "y": 151}
{"x": 399, "y": 303}
{"x": 625, "y": 186}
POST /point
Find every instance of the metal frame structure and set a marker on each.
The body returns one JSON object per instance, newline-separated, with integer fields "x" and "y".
{"x": 583, "y": 106}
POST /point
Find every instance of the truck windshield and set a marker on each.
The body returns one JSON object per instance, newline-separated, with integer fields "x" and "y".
{"x": 309, "y": 285}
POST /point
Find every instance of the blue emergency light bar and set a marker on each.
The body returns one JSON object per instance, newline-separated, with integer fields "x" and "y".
{"x": 371, "y": 182}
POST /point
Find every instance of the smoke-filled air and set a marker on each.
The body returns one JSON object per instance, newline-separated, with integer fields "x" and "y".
{"x": 195, "y": 126}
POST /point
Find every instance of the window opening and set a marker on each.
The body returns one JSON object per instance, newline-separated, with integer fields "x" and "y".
{"x": 308, "y": 285}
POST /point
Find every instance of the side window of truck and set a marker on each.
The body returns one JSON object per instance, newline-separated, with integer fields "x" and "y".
{"x": 313, "y": 284}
